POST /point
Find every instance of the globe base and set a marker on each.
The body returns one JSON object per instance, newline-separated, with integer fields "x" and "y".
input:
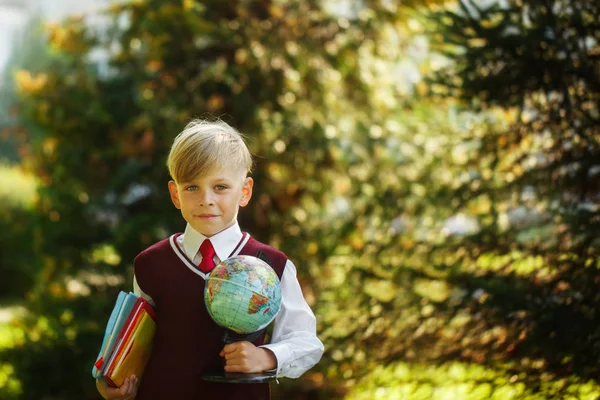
{"x": 239, "y": 377}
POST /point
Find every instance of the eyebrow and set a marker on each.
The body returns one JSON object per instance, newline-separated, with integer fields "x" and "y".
{"x": 212, "y": 180}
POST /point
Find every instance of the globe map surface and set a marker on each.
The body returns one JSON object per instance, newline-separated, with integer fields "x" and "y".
{"x": 242, "y": 293}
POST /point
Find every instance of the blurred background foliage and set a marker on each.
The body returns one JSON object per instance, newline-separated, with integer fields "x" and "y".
{"x": 431, "y": 167}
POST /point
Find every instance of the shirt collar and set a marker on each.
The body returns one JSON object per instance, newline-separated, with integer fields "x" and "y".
{"x": 223, "y": 242}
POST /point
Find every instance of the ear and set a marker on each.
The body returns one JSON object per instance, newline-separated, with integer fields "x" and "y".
{"x": 246, "y": 191}
{"x": 174, "y": 194}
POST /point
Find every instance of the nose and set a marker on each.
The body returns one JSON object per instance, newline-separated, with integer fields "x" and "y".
{"x": 206, "y": 198}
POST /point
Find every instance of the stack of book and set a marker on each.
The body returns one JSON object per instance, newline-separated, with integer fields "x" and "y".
{"x": 127, "y": 340}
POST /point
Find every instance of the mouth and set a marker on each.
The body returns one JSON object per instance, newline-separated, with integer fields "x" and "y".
{"x": 206, "y": 216}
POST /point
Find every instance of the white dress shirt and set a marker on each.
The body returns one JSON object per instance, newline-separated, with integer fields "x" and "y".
{"x": 294, "y": 341}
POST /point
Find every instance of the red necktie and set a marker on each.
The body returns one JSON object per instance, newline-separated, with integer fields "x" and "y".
{"x": 208, "y": 253}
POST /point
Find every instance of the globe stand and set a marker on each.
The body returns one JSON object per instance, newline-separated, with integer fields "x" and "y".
{"x": 226, "y": 273}
{"x": 240, "y": 377}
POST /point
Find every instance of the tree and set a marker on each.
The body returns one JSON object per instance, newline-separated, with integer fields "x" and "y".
{"x": 109, "y": 107}
{"x": 534, "y": 63}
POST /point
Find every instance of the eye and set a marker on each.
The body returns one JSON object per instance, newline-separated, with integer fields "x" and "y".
{"x": 221, "y": 187}
{"x": 191, "y": 188}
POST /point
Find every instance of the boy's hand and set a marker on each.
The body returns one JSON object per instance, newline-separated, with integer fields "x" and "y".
{"x": 127, "y": 391}
{"x": 246, "y": 357}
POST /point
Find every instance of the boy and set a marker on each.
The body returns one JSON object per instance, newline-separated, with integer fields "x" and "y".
{"x": 209, "y": 164}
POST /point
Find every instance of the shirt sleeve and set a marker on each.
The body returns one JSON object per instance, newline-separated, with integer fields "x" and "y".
{"x": 294, "y": 342}
{"x": 137, "y": 290}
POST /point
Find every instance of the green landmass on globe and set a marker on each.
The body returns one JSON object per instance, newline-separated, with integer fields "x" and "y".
{"x": 243, "y": 294}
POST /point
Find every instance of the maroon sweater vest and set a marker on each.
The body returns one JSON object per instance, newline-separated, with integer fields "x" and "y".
{"x": 187, "y": 342}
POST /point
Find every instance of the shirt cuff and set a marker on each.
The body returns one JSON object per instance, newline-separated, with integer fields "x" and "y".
{"x": 282, "y": 355}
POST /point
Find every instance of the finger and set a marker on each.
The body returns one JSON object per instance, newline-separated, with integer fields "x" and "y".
{"x": 135, "y": 386}
{"x": 237, "y": 368}
{"x": 236, "y": 361}
{"x": 132, "y": 386}
{"x": 245, "y": 344}
{"x": 128, "y": 387}
{"x": 243, "y": 367}
{"x": 231, "y": 347}
{"x": 115, "y": 391}
{"x": 124, "y": 388}
{"x": 233, "y": 354}
{"x": 239, "y": 353}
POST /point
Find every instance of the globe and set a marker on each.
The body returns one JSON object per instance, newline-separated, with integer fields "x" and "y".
{"x": 242, "y": 293}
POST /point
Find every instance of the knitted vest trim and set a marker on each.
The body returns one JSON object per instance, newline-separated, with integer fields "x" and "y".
{"x": 194, "y": 268}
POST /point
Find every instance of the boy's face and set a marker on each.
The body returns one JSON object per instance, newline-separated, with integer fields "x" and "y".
{"x": 210, "y": 203}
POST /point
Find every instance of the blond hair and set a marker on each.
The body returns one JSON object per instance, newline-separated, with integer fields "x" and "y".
{"x": 204, "y": 146}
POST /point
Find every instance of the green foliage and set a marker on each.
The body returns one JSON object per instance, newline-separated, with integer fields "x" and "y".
{"x": 532, "y": 184}
{"x": 17, "y": 230}
{"x": 446, "y": 234}
{"x": 18, "y": 189}
{"x": 35, "y": 59}
{"x": 281, "y": 73}
{"x": 51, "y": 340}
{"x": 457, "y": 380}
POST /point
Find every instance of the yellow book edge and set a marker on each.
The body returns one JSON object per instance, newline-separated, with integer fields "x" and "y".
{"x": 136, "y": 351}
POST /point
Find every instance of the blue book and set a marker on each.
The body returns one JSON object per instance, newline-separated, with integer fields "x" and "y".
{"x": 116, "y": 321}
